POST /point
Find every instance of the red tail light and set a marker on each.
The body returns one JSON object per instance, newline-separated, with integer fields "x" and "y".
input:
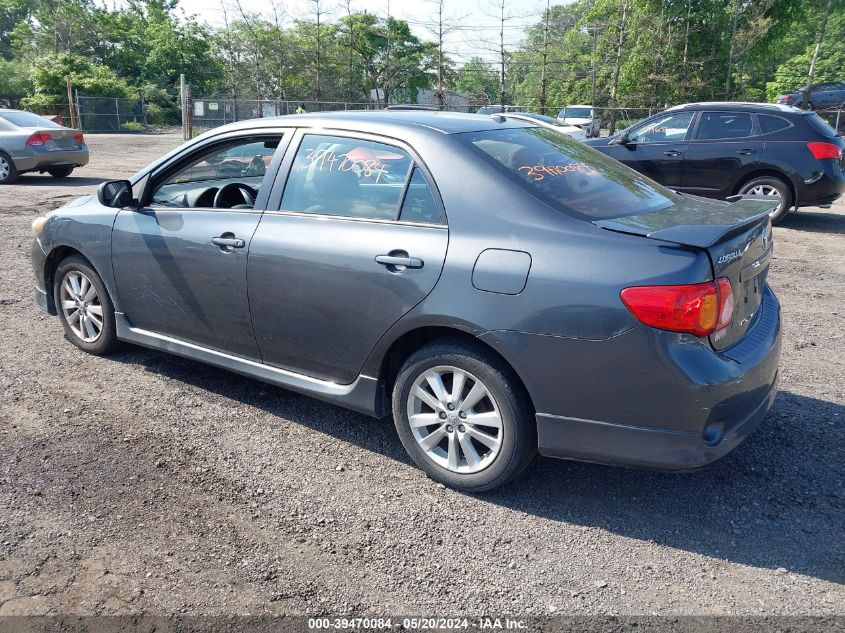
{"x": 38, "y": 139}
{"x": 699, "y": 309}
{"x": 787, "y": 98}
{"x": 79, "y": 138}
{"x": 825, "y": 150}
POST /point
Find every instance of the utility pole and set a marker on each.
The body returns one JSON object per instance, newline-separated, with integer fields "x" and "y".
{"x": 819, "y": 40}
{"x": 74, "y": 116}
{"x": 543, "y": 79}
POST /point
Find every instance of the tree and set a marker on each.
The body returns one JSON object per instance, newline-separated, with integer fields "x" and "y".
{"x": 477, "y": 80}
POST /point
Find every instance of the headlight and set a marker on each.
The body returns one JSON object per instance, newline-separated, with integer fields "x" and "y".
{"x": 38, "y": 224}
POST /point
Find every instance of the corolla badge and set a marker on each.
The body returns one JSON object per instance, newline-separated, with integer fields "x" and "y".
{"x": 729, "y": 257}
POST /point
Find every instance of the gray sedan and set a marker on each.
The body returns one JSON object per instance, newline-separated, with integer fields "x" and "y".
{"x": 496, "y": 287}
{"x": 29, "y": 142}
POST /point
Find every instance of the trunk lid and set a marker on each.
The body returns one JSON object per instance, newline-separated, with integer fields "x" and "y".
{"x": 737, "y": 236}
{"x": 62, "y": 138}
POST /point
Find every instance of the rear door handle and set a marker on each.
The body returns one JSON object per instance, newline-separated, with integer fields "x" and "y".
{"x": 672, "y": 153}
{"x": 230, "y": 242}
{"x": 745, "y": 152}
{"x": 394, "y": 261}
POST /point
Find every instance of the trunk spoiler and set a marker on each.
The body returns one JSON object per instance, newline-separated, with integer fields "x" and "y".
{"x": 695, "y": 221}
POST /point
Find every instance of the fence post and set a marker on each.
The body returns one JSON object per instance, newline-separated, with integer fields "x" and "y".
{"x": 117, "y": 113}
{"x": 78, "y": 111}
{"x": 183, "y": 104}
{"x": 838, "y": 114}
{"x": 144, "y": 109}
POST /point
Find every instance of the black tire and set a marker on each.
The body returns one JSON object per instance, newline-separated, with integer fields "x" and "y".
{"x": 106, "y": 341}
{"x": 783, "y": 191}
{"x": 60, "y": 172}
{"x": 518, "y": 431}
{"x": 8, "y": 171}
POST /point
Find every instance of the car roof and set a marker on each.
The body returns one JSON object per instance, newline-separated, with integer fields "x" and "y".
{"x": 385, "y": 121}
{"x": 739, "y": 106}
{"x": 576, "y": 105}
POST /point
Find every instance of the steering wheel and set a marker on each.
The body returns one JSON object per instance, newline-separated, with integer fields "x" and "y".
{"x": 247, "y": 193}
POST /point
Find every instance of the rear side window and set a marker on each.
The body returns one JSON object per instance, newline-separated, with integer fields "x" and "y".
{"x": 334, "y": 175}
{"x": 724, "y": 125}
{"x": 419, "y": 204}
{"x": 769, "y": 123}
{"x": 568, "y": 175}
{"x": 821, "y": 126}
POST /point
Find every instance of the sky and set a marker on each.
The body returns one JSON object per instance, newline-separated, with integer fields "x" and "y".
{"x": 475, "y": 32}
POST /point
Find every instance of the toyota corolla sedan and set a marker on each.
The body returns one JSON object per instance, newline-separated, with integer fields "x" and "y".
{"x": 30, "y": 143}
{"x": 496, "y": 287}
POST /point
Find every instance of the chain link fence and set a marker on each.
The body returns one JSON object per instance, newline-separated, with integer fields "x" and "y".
{"x": 111, "y": 114}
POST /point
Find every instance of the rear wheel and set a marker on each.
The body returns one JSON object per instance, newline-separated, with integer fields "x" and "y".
{"x": 8, "y": 171}
{"x": 84, "y": 307}
{"x": 60, "y": 172}
{"x": 770, "y": 186}
{"x": 462, "y": 417}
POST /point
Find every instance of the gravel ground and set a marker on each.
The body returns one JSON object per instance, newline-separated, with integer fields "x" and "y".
{"x": 147, "y": 483}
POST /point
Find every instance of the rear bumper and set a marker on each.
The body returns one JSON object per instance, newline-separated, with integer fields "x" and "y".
{"x": 42, "y": 160}
{"x": 824, "y": 187}
{"x": 607, "y": 443}
{"x": 647, "y": 397}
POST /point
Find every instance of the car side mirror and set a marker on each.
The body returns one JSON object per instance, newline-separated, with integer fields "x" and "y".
{"x": 116, "y": 194}
{"x": 621, "y": 139}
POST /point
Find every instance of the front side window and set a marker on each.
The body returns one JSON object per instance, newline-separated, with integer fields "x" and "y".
{"x": 669, "y": 128}
{"x": 238, "y": 165}
{"x": 568, "y": 175}
{"x": 351, "y": 177}
{"x": 724, "y": 125}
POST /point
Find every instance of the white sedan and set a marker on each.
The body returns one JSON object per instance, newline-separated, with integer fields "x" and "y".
{"x": 549, "y": 122}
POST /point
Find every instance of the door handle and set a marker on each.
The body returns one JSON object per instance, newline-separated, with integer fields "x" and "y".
{"x": 672, "y": 153}
{"x": 229, "y": 242}
{"x": 745, "y": 152}
{"x": 399, "y": 263}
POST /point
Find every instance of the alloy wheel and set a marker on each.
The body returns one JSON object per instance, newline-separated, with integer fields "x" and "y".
{"x": 455, "y": 419}
{"x": 5, "y": 169}
{"x": 81, "y": 306}
{"x": 763, "y": 190}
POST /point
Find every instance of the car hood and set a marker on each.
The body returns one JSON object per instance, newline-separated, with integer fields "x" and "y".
{"x": 576, "y": 120}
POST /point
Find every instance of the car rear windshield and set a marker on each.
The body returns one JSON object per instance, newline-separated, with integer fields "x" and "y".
{"x": 27, "y": 119}
{"x": 568, "y": 175}
{"x": 577, "y": 113}
{"x": 821, "y": 125}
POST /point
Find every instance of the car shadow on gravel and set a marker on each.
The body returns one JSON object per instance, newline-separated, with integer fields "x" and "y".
{"x": 44, "y": 180}
{"x": 814, "y": 222}
{"x": 776, "y": 502}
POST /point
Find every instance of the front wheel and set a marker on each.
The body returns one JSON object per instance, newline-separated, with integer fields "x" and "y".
{"x": 462, "y": 417}
{"x": 84, "y": 307}
{"x": 60, "y": 172}
{"x": 770, "y": 186}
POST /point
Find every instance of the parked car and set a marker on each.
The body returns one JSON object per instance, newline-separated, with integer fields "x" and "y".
{"x": 29, "y": 142}
{"x": 830, "y": 94}
{"x": 549, "y": 122}
{"x": 496, "y": 286}
{"x": 495, "y": 109}
{"x": 583, "y": 116}
{"x": 721, "y": 149}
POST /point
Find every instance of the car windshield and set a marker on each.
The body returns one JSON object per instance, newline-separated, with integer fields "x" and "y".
{"x": 568, "y": 175}
{"x": 27, "y": 119}
{"x": 577, "y": 113}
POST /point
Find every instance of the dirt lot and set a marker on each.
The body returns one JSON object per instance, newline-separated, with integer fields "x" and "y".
{"x": 146, "y": 483}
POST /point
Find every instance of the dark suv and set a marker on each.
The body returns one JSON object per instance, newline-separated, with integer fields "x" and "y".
{"x": 721, "y": 149}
